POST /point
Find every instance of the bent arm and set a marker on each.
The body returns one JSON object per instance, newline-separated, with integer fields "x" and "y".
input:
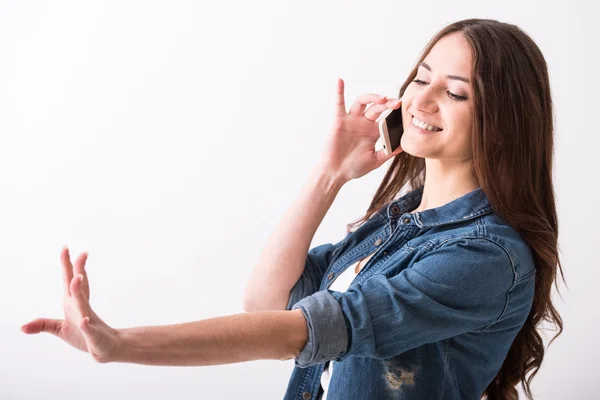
{"x": 265, "y": 335}
{"x": 282, "y": 261}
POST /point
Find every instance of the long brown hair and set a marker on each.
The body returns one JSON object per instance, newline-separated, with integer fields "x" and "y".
{"x": 513, "y": 149}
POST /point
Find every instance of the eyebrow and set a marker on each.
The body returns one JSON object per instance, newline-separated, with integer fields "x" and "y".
{"x": 456, "y": 77}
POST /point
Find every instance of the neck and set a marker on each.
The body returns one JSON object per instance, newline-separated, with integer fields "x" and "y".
{"x": 446, "y": 181}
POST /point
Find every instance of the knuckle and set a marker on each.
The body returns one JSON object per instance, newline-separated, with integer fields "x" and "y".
{"x": 56, "y": 329}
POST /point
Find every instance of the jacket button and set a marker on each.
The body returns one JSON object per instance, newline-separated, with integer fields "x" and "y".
{"x": 330, "y": 276}
{"x": 378, "y": 242}
{"x": 395, "y": 210}
{"x": 306, "y": 395}
{"x": 407, "y": 220}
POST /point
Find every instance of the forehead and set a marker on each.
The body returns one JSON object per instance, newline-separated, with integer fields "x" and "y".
{"x": 451, "y": 55}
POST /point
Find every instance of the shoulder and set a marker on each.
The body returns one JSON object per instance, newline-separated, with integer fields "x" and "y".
{"x": 512, "y": 243}
{"x": 487, "y": 245}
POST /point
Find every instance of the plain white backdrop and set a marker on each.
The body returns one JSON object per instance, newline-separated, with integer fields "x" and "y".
{"x": 168, "y": 139}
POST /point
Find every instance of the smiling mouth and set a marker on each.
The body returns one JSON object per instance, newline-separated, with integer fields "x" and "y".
{"x": 434, "y": 129}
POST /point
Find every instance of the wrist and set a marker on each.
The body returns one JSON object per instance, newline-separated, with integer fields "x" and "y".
{"x": 124, "y": 341}
{"x": 330, "y": 176}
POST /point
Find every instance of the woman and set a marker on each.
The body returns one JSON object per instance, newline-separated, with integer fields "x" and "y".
{"x": 438, "y": 293}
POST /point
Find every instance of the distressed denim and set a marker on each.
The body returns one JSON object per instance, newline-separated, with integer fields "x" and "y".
{"x": 431, "y": 315}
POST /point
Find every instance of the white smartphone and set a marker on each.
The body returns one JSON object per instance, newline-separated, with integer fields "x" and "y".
{"x": 390, "y": 129}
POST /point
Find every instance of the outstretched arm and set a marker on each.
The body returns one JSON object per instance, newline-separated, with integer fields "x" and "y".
{"x": 263, "y": 335}
{"x": 277, "y": 335}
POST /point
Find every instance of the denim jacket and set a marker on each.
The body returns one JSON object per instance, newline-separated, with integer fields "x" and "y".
{"x": 431, "y": 315}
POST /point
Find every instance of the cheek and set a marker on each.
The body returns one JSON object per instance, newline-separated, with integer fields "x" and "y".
{"x": 459, "y": 121}
{"x": 463, "y": 138}
{"x": 460, "y": 131}
{"x": 408, "y": 93}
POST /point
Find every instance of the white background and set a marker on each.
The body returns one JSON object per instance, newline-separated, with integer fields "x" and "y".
{"x": 168, "y": 139}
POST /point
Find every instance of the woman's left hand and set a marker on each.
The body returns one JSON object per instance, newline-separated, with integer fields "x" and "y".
{"x": 81, "y": 327}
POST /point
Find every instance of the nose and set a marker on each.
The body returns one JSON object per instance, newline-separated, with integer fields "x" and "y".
{"x": 425, "y": 100}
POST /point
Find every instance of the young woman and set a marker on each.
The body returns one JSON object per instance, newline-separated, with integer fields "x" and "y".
{"x": 438, "y": 290}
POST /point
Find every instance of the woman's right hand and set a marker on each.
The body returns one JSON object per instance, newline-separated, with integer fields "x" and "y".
{"x": 349, "y": 152}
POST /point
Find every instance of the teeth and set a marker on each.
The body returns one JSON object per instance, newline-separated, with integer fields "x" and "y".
{"x": 423, "y": 125}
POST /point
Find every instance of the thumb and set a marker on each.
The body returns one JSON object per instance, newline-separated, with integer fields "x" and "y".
{"x": 381, "y": 156}
{"x": 42, "y": 325}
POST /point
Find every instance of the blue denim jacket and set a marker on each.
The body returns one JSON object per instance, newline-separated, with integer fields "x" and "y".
{"x": 431, "y": 315}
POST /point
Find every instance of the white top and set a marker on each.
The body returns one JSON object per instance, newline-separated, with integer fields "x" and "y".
{"x": 340, "y": 284}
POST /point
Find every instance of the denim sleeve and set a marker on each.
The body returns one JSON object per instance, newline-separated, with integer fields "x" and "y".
{"x": 457, "y": 288}
{"x": 316, "y": 264}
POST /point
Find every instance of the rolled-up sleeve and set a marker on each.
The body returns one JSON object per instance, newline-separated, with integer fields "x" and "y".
{"x": 459, "y": 287}
{"x": 317, "y": 261}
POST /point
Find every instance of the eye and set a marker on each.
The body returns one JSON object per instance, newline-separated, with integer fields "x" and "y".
{"x": 455, "y": 96}
{"x": 452, "y": 95}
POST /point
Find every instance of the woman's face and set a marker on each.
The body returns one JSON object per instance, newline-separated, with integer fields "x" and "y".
{"x": 440, "y": 97}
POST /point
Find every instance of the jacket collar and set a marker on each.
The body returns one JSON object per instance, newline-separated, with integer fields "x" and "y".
{"x": 468, "y": 206}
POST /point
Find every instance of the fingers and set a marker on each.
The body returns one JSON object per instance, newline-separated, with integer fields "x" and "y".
{"x": 67, "y": 268}
{"x": 361, "y": 102}
{"x": 80, "y": 300}
{"x": 358, "y": 107}
{"x": 340, "y": 102}
{"x": 373, "y": 112}
{"x": 79, "y": 268}
{"x": 42, "y": 325}
{"x": 77, "y": 285}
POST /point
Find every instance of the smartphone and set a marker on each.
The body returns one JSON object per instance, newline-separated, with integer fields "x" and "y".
{"x": 391, "y": 129}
